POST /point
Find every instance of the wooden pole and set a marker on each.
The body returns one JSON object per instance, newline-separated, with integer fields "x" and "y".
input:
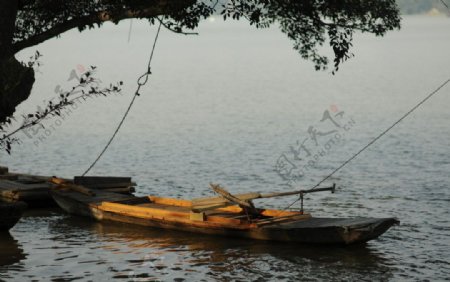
{"x": 290, "y": 193}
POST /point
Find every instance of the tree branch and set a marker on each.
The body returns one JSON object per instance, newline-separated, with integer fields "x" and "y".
{"x": 161, "y": 7}
{"x": 168, "y": 27}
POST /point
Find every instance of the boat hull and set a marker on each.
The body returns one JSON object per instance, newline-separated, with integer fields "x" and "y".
{"x": 10, "y": 214}
{"x": 311, "y": 230}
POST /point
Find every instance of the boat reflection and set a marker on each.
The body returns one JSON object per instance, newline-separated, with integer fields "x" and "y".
{"x": 11, "y": 251}
{"x": 218, "y": 254}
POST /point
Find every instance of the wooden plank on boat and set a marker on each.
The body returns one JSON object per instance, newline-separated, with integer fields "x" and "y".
{"x": 79, "y": 189}
{"x": 244, "y": 200}
{"x": 121, "y": 190}
{"x": 23, "y": 191}
{"x": 33, "y": 176}
{"x": 199, "y": 216}
{"x": 221, "y": 200}
{"x": 204, "y": 204}
{"x": 170, "y": 201}
{"x": 141, "y": 211}
{"x": 227, "y": 195}
{"x": 102, "y": 181}
{"x": 8, "y": 194}
{"x": 9, "y": 177}
{"x": 171, "y": 215}
{"x": 26, "y": 179}
{"x": 105, "y": 186}
{"x": 18, "y": 186}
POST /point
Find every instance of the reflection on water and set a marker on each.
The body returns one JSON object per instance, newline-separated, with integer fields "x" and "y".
{"x": 11, "y": 251}
{"x": 245, "y": 258}
{"x": 72, "y": 247}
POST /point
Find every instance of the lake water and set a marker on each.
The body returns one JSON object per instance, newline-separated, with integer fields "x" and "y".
{"x": 225, "y": 107}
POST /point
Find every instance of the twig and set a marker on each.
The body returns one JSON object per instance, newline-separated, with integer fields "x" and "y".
{"x": 174, "y": 30}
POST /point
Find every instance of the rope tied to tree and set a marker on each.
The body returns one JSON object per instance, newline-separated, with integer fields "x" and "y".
{"x": 141, "y": 81}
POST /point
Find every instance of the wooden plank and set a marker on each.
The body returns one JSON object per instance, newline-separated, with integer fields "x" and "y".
{"x": 33, "y": 196}
{"x": 8, "y": 194}
{"x": 277, "y": 213}
{"x": 221, "y": 200}
{"x": 133, "y": 201}
{"x": 204, "y": 204}
{"x": 100, "y": 180}
{"x": 80, "y": 189}
{"x": 172, "y": 217}
{"x": 102, "y": 186}
{"x": 210, "y": 207}
{"x": 37, "y": 177}
{"x": 170, "y": 201}
{"x": 9, "y": 177}
{"x": 18, "y": 186}
{"x": 199, "y": 216}
{"x": 126, "y": 190}
{"x": 30, "y": 180}
{"x": 226, "y": 199}
{"x": 141, "y": 211}
{"x": 227, "y": 195}
{"x": 10, "y": 185}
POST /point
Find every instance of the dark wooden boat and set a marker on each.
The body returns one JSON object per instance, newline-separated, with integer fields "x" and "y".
{"x": 34, "y": 189}
{"x": 227, "y": 215}
{"x": 10, "y": 214}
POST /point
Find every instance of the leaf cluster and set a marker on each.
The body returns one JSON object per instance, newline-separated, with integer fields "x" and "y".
{"x": 312, "y": 23}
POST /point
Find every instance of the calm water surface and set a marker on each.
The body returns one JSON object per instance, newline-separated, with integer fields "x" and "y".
{"x": 223, "y": 107}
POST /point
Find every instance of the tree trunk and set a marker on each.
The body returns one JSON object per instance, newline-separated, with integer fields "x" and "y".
{"x": 16, "y": 80}
{"x": 8, "y": 12}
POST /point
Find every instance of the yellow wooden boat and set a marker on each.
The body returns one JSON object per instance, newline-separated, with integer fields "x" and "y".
{"x": 226, "y": 215}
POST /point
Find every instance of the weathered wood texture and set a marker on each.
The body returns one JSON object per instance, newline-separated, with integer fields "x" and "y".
{"x": 103, "y": 181}
{"x": 227, "y": 221}
{"x": 34, "y": 189}
{"x": 10, "y": 214}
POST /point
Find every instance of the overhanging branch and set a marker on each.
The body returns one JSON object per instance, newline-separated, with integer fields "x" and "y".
{"x": 160, "y": 8}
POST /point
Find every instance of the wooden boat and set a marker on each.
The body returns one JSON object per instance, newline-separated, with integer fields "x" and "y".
{"x": 227, "y": 215}
{"x": 34, "y": 189}
{"x": 10, "y": 214}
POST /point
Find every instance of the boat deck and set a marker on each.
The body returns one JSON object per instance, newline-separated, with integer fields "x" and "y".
{"x": 187, "y": 210}
{"x": 25, "y": 189}
{"x": 34, "y": 189}
{"x": 225, "y": 220}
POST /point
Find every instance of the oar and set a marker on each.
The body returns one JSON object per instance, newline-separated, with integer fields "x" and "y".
{"x": 247, "y": 202}
{"x": 220, "y": 190}
{"x": 299, "y": 192}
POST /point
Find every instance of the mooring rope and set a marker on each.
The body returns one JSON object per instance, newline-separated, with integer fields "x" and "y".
{"x": 375, "y": 139}
{"x": 141, "y": 81}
